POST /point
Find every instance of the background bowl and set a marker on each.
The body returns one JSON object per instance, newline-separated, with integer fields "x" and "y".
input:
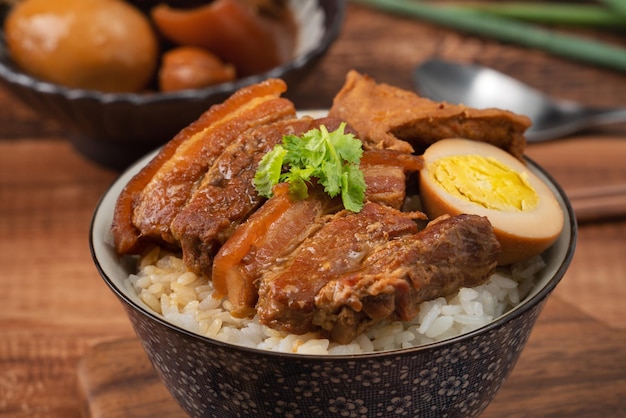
{"x": 117, "y": 129}
{"x": 457, "y": 377}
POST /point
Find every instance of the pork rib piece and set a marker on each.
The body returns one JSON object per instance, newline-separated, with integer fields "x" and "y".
{"x": 152, "y": 199}
{"x": 400, "y": 274}
{"x": 388, "y": 117}
{"x": 287, "y": 291}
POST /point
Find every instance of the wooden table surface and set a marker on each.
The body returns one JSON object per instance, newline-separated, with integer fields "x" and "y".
{"x": 54, "y": 307}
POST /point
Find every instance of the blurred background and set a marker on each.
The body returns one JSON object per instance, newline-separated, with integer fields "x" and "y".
{"x": 55, "y": 308}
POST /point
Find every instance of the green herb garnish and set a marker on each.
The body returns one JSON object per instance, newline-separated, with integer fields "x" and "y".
{"x": 330, "y": 157}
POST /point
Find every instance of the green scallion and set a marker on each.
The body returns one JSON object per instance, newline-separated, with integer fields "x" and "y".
{"x": 509, "y": 30}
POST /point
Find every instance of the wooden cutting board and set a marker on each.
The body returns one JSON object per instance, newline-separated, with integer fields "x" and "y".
{"x": 562, "y": 371}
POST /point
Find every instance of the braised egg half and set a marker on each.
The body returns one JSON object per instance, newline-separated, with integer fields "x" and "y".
{"x": 465, "y": 176}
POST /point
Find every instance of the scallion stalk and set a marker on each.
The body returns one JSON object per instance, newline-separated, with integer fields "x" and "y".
{"x": 570, "y": 14}
{"x": 509, "y": 30}
{"x": 618, "y": 6}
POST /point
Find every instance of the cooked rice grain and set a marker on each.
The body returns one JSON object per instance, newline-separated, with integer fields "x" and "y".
{"x": 184, "y": 299}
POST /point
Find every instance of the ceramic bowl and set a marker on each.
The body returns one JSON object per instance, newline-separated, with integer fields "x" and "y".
{"x": 117, "y": 129}
{"x": 457, "y": 377}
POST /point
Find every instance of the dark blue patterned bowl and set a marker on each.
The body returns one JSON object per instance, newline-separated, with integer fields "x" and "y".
{"x": 457, "y": 377}
{"x": 117, "y": 129}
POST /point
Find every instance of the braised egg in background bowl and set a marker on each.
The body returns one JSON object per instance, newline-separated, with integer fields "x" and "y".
{"x": 115, "y": 123}
{"x": 456, "y": 376}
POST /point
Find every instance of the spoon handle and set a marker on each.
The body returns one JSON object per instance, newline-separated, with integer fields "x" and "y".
{"x": 571, "y": 118}
{"x": 606, "y": 116}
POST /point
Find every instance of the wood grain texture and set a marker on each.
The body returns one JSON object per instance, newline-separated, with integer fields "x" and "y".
{"x": 55, "y": 307}
{"x": 572, "y": 366}
{"x": 117, "y": 380}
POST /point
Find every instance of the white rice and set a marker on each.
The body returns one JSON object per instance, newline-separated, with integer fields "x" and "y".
{"x": 184, "y": 299}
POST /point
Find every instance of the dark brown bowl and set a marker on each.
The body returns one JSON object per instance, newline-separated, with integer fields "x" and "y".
{"x": 457, "y": 377}
{"x": 117, "y": 129}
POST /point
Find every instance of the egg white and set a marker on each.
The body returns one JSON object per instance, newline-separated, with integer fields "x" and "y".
{"x": 521, "y": 234}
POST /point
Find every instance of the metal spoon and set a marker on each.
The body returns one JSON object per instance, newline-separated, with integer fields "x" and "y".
{"x": 480, "y": 87}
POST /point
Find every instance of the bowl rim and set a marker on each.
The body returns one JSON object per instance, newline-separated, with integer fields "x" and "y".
{"x": 570, "y": 226}
{"x": 10, "y": 73}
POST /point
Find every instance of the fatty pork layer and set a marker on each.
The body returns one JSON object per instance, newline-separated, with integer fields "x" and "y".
{"x": 152, "y": 199}
{"x": 269, "y": 236}
{"x": 226, "y": 195}
{"x": 385, "y": 173}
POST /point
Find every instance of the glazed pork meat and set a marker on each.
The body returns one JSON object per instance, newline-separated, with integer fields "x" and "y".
{"x": 388, "y": 117}
{"x": 271, "y": 234}
{"x": 398, "y": 275}
{"x": 363, "y": 268}
{"x": 281, "y": 224}
{"x": 386, "y": 173}
{"x": 288, "y": 288}
{"x": 225, "y": 196}
{"x": 152, "y": 199}
{"x": 309, "y": 264}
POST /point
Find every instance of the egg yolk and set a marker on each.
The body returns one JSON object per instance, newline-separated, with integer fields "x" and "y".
{"x": 486, "y": 182}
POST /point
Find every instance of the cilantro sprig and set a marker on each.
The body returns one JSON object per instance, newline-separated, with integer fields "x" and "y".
{"x": 330, "y": 157}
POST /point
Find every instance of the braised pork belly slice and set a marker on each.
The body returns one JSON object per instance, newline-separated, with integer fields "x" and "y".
{"x": 398, "y": 275}
{"x": 226, "y": 195}
{"x": 152, "y": 199}
{"x": 271, "y": 233}
{"x": 388, "y": 117}
{"x": 385, "y": 173}
{"x": 287, "y": 290}
{"x": 281, "y": 224}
